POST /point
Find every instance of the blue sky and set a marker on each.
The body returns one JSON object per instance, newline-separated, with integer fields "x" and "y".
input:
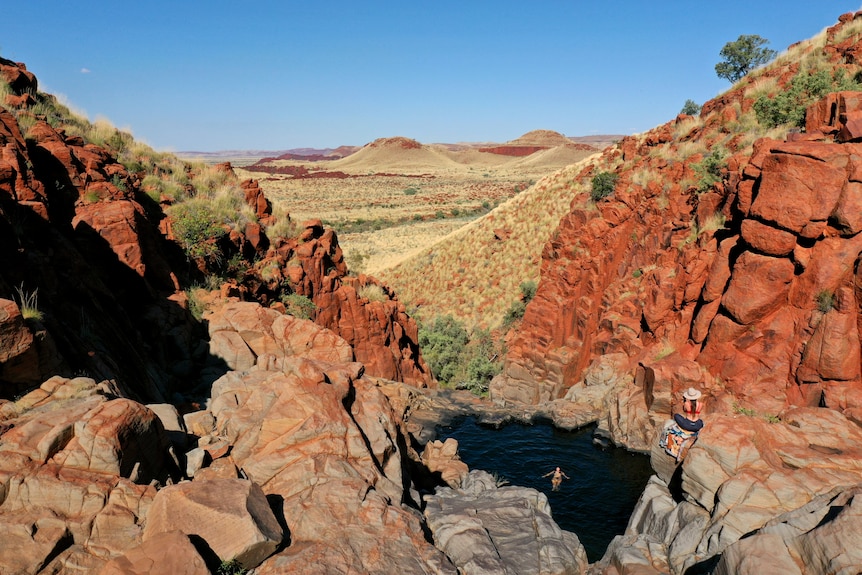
{"x": 272, "y": 75}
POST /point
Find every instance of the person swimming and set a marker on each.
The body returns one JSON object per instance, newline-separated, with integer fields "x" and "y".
{"x": 557, "y": 478}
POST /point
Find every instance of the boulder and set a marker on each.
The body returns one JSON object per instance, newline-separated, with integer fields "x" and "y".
{"x": 120, "y": 437}
{"x": 27, "y": 547}
{"x": 318, "y": 438}
{"x": 816, "y": 538}
{"x": 231, "y": 515}
{"x": 441, "y": 457}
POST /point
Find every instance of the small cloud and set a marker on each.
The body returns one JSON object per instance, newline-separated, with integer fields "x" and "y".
{"x": 85, "y": 70}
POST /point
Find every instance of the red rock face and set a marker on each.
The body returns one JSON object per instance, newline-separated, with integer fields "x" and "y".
{"x": 768, "y": 307}
{"x": 384, "y": 338}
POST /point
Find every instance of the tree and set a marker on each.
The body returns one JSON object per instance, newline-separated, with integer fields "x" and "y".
{"x": 742, "y": 56}
{"x": 690, "y": 108}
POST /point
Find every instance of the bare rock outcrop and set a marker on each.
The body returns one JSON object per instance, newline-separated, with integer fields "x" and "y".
{"x": 751, "y": 490}
{"x": 78, "y": 469}
{"x": 442, "y": 457}
{"x": 487, "y": 529}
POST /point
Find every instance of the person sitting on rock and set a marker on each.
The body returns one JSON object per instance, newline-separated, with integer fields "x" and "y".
{"x": 685, "y": 426}
{"x": 557, "y": 478}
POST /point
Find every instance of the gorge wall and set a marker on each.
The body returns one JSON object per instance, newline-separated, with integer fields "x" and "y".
{"x": 748, "y": 287}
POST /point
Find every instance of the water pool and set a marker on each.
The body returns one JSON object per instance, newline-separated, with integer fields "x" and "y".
{"x": 605, "y": 482}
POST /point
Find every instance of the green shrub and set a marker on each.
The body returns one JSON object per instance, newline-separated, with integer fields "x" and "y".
{"x": 442, "y": 342}
{"x": 478, "y": 364}
{"x": 603, "y": 185}
{"x": 231, "y": 567}
{"x": 298, "y": 305}
{"x": 195, "y": 227}
{"x": 411, "y": 191}
{"x": 788, "y": 107}
{"x": 710, "y": 169}
{"x": 197, "y": 307}
{"x": 743, "y": 410}
{"x": 690, "y": 108}
{"x": 528, "y": 290}
{"x": 517, "y": 309}
{"x": 119, "y": 183}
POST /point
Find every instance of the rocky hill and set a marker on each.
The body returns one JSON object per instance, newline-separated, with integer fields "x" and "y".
{"x": 723, "y": 256}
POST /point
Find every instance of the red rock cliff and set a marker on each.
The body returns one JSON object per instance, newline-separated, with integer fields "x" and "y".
{"x": 748, "y": 287}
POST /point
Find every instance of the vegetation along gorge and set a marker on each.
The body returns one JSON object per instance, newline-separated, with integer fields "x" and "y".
{"x": 238, "y": 367}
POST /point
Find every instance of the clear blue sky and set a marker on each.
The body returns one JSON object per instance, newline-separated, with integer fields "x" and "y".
{"x": 215, "y": 75}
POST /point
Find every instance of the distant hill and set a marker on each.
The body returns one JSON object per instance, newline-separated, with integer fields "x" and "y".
{"x": 529, "y": 143}
{"x": 247, "y": 157}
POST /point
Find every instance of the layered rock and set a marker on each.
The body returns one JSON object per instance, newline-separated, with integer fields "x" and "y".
{"x": 785, "y": 331}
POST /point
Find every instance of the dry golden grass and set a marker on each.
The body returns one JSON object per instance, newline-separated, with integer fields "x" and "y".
{"x": 475, "y": 272}
{"x": 425, "y": 194}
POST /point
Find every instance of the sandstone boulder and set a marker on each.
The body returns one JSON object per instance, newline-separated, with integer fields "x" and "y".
{"x": 751, "y": 491}
{"x": 231, "y": 515}
{"x": 244, "y": 333}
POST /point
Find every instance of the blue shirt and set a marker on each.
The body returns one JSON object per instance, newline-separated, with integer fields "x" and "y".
{"x": 687, "y": 424}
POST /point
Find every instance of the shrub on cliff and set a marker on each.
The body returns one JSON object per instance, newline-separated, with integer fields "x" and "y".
{"x": 195, "y": 227}
{"x": 298, "y": 305}
{"x": 373, "y": 292}
{"x": 788, "y": 107}
{"x": 710, "y": 170}
{"x": 603, "y": 185}
{"x": 517, "y": 309}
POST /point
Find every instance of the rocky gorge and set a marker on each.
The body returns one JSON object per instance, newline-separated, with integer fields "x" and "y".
{"x": 136, "y": 437}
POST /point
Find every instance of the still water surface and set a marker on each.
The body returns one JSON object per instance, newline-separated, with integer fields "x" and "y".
{"x": 605, "y": 482}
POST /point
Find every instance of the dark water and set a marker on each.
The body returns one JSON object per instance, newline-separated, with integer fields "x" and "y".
{"x": 605, "y": 482}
